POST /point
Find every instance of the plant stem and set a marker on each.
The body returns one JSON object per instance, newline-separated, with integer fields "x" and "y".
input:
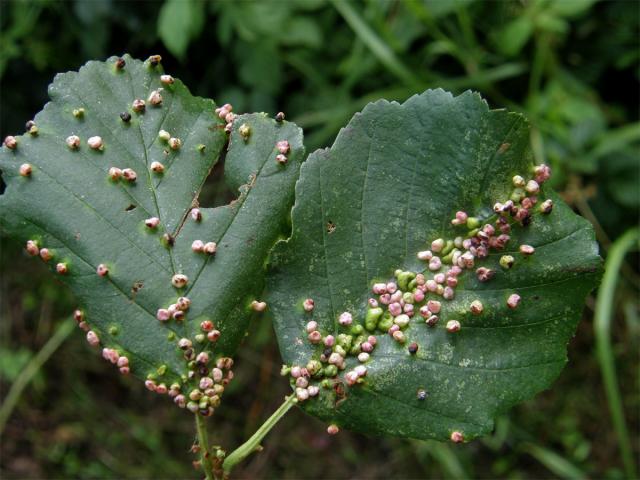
{"x": 251, "y": 445}
{"x": 557, "y": 464}
{"x": 203, "y": 441}
{"x": 374, "y": 43}
{"x": 27, "y": 374}
{"x": 602, "y": 327}
{"x": 537, "y": 69}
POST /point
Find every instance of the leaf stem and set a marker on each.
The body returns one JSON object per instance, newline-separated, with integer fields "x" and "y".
{"x": 203, "y": 441}
{"x": 251, "y": 445}
{"x": 27, "y": 374}
{"x": 602, "y": 327}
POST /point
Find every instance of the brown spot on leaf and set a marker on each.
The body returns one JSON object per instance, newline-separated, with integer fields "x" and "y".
{"x": 341, "y": 395}
{"x": 136, "y": 287}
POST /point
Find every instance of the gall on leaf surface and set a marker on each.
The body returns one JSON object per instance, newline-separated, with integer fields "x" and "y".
{"x": 391, "y": 184}
{"x": 71, "y": 206}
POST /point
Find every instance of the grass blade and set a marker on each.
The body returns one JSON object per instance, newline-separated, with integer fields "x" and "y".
{"x": 602, "y": 327}
{"x": 11, "y": 400}
{"x": 380, "y": 49}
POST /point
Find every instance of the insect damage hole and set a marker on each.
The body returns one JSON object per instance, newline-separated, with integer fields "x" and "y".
{"x": 136, "y": 287}
{"x": 130, "y": 207}
{"x": 331, "y": 227}
{"x": 215, "y": 192}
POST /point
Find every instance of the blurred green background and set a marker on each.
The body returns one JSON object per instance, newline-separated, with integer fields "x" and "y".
{"x": 571, "y": 65}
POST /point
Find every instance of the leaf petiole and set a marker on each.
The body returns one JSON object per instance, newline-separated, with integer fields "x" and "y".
{"x": 251, "y": 445}
{"x": 203, "y": 441}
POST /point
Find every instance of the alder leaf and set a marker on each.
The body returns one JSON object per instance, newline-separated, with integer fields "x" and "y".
{"x": 71, "y": 207}
{"x": 389, "y": 186}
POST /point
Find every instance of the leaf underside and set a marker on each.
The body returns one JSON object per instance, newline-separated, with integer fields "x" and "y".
{"x": 70, "y": 205}
{"x": 388, "y": 187}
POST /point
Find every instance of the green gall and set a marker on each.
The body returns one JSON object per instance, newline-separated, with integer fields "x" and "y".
{"x": 372, "y": 317}
{"x": 517, "y": 195}
{"x": 473, "y": 233}
{"x": 472, "y": 223}
{"x": 218, "y": 389}
{"x": 386, "y": 321}
{"x": 407, "y": 297}
{"x": 344, "y": 341}
{"x": 313, "y": 367}
{"x": 113, "y": 331}
{"x": 164, "y": 136}
{"x": 518, "y": 181}
{"x": 355, "y": 348}
{"x": 244, "y": 131}
{"x": 357, "y": 329}
{"x": 448, "y": 247}
{"x": 330, "y": 371}
{"x": 402, "y": 320}
{"x": 162, "y": 369}
{"x": 506, "y": 261}
{"x": 404, "y": 278}
{"x": 449, "y": 257}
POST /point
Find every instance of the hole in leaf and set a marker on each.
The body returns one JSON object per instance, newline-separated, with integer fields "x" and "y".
{"x": 215, "y": 192}
{"x": 3, "y": 185}
{"x": 136, "y": 287}
{"x": 130, "y": 207}
{"x": 331, "y": 227}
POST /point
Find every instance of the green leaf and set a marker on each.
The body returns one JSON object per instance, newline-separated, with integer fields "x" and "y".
{"x": 515, "y": 35}
{"x": 390, "y": 185}
{"x": 439, "y": 9}
{"x": 303, "y": 32}
{"x": 570, "y": 8}
{"x": 70, "y": 206}
{"x": 180, "y": 21}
